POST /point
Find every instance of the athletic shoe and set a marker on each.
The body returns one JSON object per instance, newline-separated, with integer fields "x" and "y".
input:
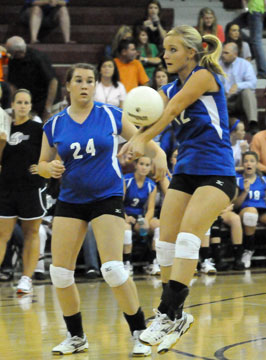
{"x": 169, "y": 341}
{"x": 39, "y": 275}
{"x": 208, "y": 267}
{"x": 139, "y": 349}
{"x": 71, "y": 345}
{"x": 152, "y": 269}
{"x": 6, "y": 275}
{"x": 129, "y": 268}
{"x": 24, "y": 285}
{"x": 159, "y": 328}
{"x": 92, "y": 274}
{"x": 246, "y": 258}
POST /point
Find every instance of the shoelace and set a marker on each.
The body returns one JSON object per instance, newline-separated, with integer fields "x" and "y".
{"x": 158, "y": 321}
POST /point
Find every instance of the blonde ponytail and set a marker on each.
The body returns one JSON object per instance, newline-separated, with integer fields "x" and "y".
{"x": 210, "y": 57}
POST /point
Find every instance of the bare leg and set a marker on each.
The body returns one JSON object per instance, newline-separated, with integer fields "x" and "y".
{"x": 36, "y": 16}
{"x": 6, "y": 230}
{"x": 64, "y": 21}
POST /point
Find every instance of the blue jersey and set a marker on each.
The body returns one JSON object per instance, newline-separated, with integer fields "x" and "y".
{"x": 88, "y": 151}
{"x": 202, "y": 131}
{"x": 256, "y": 194}
{"x": 135, "y": 197}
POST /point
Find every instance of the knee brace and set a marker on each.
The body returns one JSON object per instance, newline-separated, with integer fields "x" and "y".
{"x": 187, "y": 246}
{"x": 114, "y": 273}
{"x": 250, "y": 219}
{"x": 165, "y": 253}
{"x": 61, "y": 277}
{"x": 128, "y": 237}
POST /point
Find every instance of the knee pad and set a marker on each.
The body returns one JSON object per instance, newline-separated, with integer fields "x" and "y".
{"x": 61, "y": 277}
{"x": 187, "y": 246}
{"x": 250, "y": 219}
{"x": 128, "y": 237}
{"x": 165, "y": 253}
{"x": 114, "y": 273}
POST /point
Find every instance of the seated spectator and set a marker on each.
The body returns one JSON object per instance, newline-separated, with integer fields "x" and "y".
{"x": 160, "y": 78}
{"x": 239, "y": 145}
{"x": 258, "y": 144}
{"x": 251, "y": 202}
{"x": 232, "y": 34}
{"x": 31, "y": 69}
{"x": 148, "y": 52}
{"x": 152, "y": 23}
{"x": 139, "y": 201}
{"x": 5, "y": 90}
{"x": 131, "y": 71}
{"x": 19, "y": 187}
{"x": 43, "y": 15}
{"x": 207, "y": 24}
{"x": 124, "y": 32}
{"x": 239, "y": 85}
{"x": 109, "y": 90}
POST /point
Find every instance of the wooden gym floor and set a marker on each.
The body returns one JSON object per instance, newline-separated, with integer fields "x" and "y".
{"x": 229, "y": 311}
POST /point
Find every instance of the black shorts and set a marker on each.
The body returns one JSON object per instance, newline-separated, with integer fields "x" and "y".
{"x": 87, "y": 212}
{"x": 25, "y": 205}
{"x": 189, "y": 183}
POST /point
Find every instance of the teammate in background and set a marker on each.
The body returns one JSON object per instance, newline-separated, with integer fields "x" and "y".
{"x": 85, "y": 136}
{"x": 251, "y": 202}
{"x": 22, "y": 193}
{"x": 203, "y": 182}
{"x": 139, "y": 202}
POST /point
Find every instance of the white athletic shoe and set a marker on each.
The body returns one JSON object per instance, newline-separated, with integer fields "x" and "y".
{"x": 24, "y": 285}
{"x": 71, "y": 345}
{"x": 208, "y": 267}
{"x": 169, "y": 341}
{"x": 246, "y": 258}
{"x": 159, "y": 328}
{"x": 153, "y": 269}
{"x": 129, "y": 268}
{"x": 140, "y": 349}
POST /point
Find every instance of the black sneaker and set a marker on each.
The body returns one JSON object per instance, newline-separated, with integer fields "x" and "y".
{"x": 238, "y": 265}
{"x": 92, "y": 274}
{"x": 39, "y": 276}
{"x": 6, "y": 275}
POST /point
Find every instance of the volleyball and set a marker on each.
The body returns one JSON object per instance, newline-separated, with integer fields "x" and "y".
{"x": 143, "y": 106}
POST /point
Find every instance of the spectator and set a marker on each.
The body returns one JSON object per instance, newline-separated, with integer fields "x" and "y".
{"x": 258, "y": 144}
{"x": 131, "y": 71}
{"x": 30, "y": 69}
{"x": 124, "y": 32}
{"x": 207, "y": 24}
{"x": 239, "y": 145}
{"x": 109, "y": 89}
{"x": 43, "y": 15}
{"x": 5, "y": 96}
{"x": 160, "y": 78}
{"x": 21, "y": 193}
{"x": 239, "y": 85}
{"x": 232, "y": 34}
{"x": 148, "y": 52}
{"x": 251, "y": 202}
{"x": 152, "y": 23}
{"x": 256, "y": 10}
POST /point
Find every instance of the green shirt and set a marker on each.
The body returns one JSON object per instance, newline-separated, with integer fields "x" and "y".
{"x": 256, "y": 5}
{"x": 149, "y": 69}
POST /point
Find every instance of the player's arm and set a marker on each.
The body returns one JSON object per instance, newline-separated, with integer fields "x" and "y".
{"x": 48, "y": 165}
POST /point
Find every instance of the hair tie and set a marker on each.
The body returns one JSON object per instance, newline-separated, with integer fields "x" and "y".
{"x": 235, "y": 125}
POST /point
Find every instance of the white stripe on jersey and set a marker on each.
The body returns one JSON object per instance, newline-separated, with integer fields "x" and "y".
{"x": 149, "y": 187}
{"x": 211, "y": 107}
{"x": 169, "y": 89}
{"x": 115, "y": 137}
{"x": 128, "y": 182}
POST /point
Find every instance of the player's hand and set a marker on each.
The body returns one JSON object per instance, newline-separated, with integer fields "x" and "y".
{"x": 133, "y": 149}
{"x": 246, "y": 185}
{"x": 56, "y": 168}
{"x": 33, "y": 169}
{"x": 130, "y": 220}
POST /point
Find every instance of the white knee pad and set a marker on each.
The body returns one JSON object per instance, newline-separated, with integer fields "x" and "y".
{"x": 114, "y": 273}
{"x": 165, "y": 253}
{"x": 208, "y": 232}
{"x": 128, "y": 237}
{"x": 250, "y": 219}
{"x": 187, "y": 246}
{"x": 61, "y": 277}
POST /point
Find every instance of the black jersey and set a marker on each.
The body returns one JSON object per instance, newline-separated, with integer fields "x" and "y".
{"x": 21, "y": 151}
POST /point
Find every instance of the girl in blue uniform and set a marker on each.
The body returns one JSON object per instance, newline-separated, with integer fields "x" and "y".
{"x": 251, "y": 202}
{"x": 203, "y": 181}
{"x": 85, "y": 135}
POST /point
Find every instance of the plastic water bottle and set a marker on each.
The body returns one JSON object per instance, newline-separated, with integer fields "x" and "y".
{"x": 142, "y": 228}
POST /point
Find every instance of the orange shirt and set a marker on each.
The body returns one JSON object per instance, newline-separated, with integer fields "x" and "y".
{"x": 3, "y": 61}
{"x": 258, "y": 144}
{"x": 131, "y": 74}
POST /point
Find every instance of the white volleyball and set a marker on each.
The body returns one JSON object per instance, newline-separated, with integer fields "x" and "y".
{"x": 143, "y": 106}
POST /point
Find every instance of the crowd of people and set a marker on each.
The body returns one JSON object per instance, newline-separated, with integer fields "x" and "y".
{"x": 203, "y": 74}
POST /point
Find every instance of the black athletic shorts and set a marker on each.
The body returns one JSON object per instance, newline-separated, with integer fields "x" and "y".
{"x": 87, "y": 212}
{"x": 25, "y": 205}
{"x": 189, "y": 183}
